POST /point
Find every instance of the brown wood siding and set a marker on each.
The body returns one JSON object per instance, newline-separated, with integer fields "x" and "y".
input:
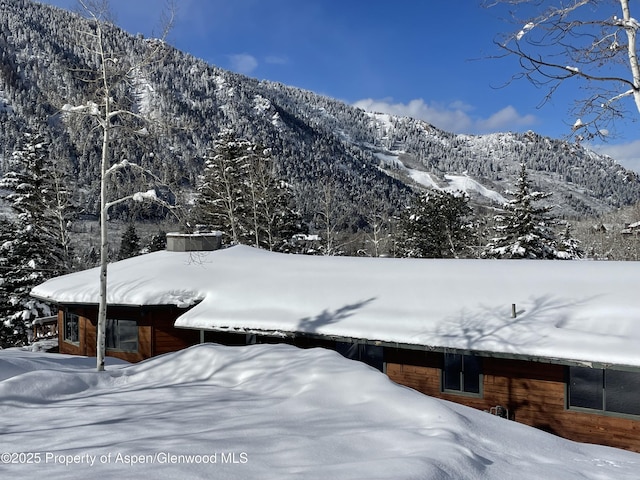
{"x": 167, "y": 338}
{"x": 533, "y": 392}
{"x": 155, "y": 326}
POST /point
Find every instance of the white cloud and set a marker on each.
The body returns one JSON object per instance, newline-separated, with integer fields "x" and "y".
{"x": 276, "y": 60}
{"x": 507, "y": 117}
{"x": 243, "y": 63}
{"x": 627, "y": 154}
{"x": 454, "y": 117}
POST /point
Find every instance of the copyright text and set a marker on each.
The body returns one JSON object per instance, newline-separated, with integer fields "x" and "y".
{"x": 163, "y": 458}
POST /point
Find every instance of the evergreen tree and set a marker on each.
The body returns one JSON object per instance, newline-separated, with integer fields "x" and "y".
{"x": 241, "y": 195}
{"x": 22, "y": 267}
{"x": 7, "y": 336}
{"x": 34, "y": 246}
{"x": 437, "y": 225}
{"x": 221, "y": 201}
{"x": 38, "y": 194}
{"x": 273, "y": 218}
{"x": 129, "y": 243}
{"x": 569, "y": 247}
{"x": 17, "y": 277}
{"x": 524, "y": 229}
{"x": 158, "y": 242}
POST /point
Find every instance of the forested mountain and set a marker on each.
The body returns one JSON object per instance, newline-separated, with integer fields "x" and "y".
{"x": 369, "y": 161}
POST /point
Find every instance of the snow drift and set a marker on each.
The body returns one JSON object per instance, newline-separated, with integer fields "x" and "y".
{"x": 263, "y": 411}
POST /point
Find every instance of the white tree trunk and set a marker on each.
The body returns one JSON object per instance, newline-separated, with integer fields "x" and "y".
{"x": 631, "y": 29}
{"x": 103, "y": 114}
{"x": 102, "y": 308}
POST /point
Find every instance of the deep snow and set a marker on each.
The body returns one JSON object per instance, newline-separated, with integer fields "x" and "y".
{"x": 262, "y": 411}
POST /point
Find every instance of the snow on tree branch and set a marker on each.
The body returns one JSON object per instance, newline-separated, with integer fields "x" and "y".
{"x": 143, "y": 196}
{"x": 91, "y": 108}
{"x": 566, "y": 41}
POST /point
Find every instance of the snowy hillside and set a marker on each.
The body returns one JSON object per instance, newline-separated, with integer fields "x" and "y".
{"x": 581, "y": 181}
{"x": 314, "y": 138}
{"x": 262, "y": 411}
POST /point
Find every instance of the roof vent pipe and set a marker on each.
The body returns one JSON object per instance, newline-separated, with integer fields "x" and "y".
{"x": 513, "y": 311}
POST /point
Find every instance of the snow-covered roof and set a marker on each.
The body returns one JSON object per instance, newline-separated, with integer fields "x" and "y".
{"x": 582, "y": 311}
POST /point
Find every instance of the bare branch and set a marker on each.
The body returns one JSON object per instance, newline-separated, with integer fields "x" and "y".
{"x": 583, "y": 42}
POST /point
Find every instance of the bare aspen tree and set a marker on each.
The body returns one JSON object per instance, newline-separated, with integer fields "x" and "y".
{"x": 112, "y": 73}
{"x": 589, "y": 42}
{"x": 378, "y": 237}
{"x": 330, "y": 218}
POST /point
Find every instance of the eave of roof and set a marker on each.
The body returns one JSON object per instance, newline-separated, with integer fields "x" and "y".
{"x": 566, "y": 309}
{"x": 426, "y": 348}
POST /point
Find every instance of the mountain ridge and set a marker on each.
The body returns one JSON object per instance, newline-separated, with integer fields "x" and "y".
{"x": 373, "y": 161}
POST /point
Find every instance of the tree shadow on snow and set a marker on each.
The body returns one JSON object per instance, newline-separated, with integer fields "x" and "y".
{"x": 327, "y": 317}
{"x": 489, "y": 326}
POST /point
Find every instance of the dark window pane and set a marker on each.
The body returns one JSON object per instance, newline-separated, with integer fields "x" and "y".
{"x": 71, "y": 327}
{"x": 622, "y": 392}
{"x": 348, "y": 349}
{"x": 452, "y": 371}
{"x": 127, "y": 335}
{"x": 471, "y": 373}
{"x": 585, "y": 388}
{"x": 372, "y": 355}
{"x": 121, "y": 335}
{"x": 369, "y": 354}
{"x": 111, "y": 333}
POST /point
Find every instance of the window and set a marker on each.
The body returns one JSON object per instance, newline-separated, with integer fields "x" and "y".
{"x": 71, "y": 328}
{"x": 370, "y": 354}
{"x": 122, "y": 335}
{"x": 604, "y": 390}
{"x": 461, "y": 373}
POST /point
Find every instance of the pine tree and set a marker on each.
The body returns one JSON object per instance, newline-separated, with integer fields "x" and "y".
{"x": 33, "y": 247}
{"x": 221, "y": 201}
{"x": 38, "y": 194}
{"x": 7, "y": 338}
{"x": 273, "y": 218}
{"x": 22, "y": 266}
{"x": 129, "y": 243}
{"x": 525, "y": 229}
{"x": 437, "y": 225}
{"x": 241, "y": 195}
{"x": 18, "y": 275}
{"x": 569, "y": 247}
{"x": 158, "y": 242}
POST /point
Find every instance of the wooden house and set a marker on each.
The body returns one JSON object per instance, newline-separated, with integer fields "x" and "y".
{"x": 551, "y": 344}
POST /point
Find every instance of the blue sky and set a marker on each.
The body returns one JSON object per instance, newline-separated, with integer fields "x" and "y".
{"x": 426, "y": 59}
